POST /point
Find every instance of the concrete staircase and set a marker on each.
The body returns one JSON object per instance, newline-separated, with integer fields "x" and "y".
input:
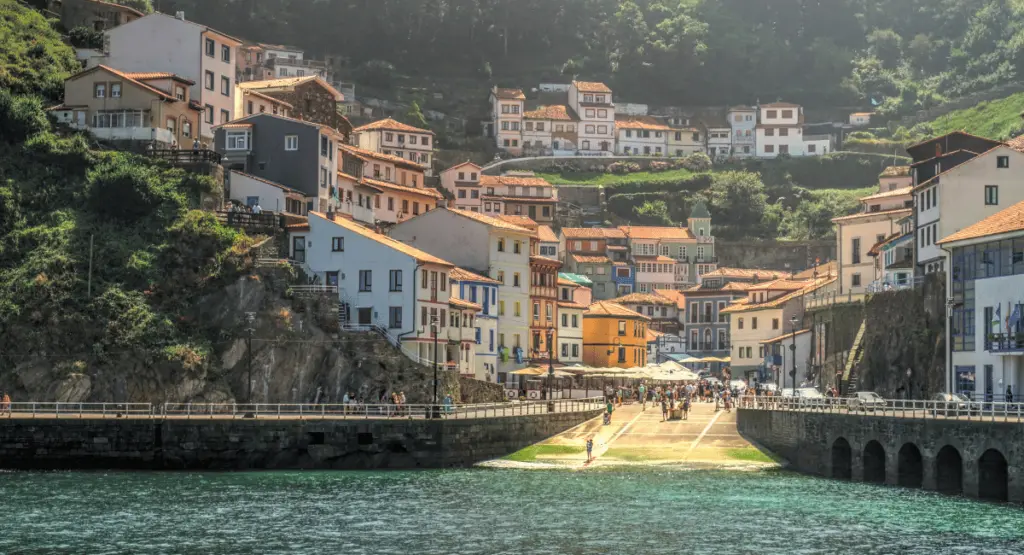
{"x": 853, "y": 361}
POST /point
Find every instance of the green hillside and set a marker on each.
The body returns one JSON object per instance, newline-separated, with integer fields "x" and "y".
{"x": 998, "y": 119}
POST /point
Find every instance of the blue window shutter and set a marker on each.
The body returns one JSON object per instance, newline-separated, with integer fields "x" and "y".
{"x": 491, "y": 346}
{"x": 478, "y": 336}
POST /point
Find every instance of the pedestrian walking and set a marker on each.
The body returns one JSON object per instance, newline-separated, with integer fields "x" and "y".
{"x": 5, "y": 404}
{"x": 608, "y": 414}
{"x": 1009, "y": 394}
{"x": 686, "y": 407}
{"x": 664, "y": 409}
{"x": 590, "y": 448}
{"x": 643, "y": 398}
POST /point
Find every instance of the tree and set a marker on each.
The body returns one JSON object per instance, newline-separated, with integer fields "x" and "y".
{"x": 414, "y": 116}
{"x": 144, "y": 6}
{"x": 887, "y": 46}
{"x": 740, "y": 198}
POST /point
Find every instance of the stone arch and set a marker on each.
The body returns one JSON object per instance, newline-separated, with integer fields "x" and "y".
{"x": 874, "y": 462}
{"x": 993, "y": 476}
{"x": 949, "y": 471}
{"x": 910, "y": 466}
{"x": 842, "y": 459}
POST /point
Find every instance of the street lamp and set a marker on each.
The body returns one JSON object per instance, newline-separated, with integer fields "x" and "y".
{"x": 551, "y": 368}
{"x": 433, "y": 330}
{"x": 910, "y": 385}
{"x": 950, "y": 378}
{"x": 792, "y": 352}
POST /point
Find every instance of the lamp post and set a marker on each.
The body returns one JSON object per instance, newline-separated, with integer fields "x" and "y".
{"x": 433, "y": 330}
{"x": 950, "y": 378}
{"x": 551, "y": 368}
{"x": 910, "y": 385}
{"x": 792, "y": 352}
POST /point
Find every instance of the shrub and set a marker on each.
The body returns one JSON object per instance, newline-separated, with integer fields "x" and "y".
{"x": 84, "y": 37}
{"x": 658, "y": 166}
{"x": 697, "y": 162}
{"x": 127, "y": 192}
{"x": 20, "y": 117}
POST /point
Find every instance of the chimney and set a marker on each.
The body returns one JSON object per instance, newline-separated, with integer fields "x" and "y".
{"x": 179, "y": 16}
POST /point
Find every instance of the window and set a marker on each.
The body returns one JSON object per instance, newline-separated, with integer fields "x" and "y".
{"x": 365, "y": 281}
{"x": 622, "y": 328}
{"x": 753, "y": 323}
{"x": 783, "y": 149}
{"x": 291, "y": 142}
{"x": 115, "y": 90}
{"x": 855, "y": 250}
{"x": 211, "y": 48}
{"x": 395, "y": 317}
{"x": 602, "y": 129}
{"x": 208, "y": 80}
{"x": 590, "y": 129}
{"x": 517, "y": 247}
{"x": 225, "y": 53}
{"x": 769, "y": 149}
{"x": 225, "y": 116}
{"x": 991, "y": 195}
{"x": 186, "y": 129}
{"x": 179, "y": 93}
{"x": 783, "y": 132}
{"x": 209, "y": 114}
{"x": 99, "y": 90}
{"x": 395, "y": 281}
{"x": 812, "y": 148}
{"x": 515, "y": 279}
{"x": 622, "y": 354}
{"x": 337, "y": 244}
{"x": 236, "y": 140}
{"x": 775, "y": 323}
{"x": 518, "y": 309}
{"x": 225, "y": 86}
{"x": 771, "y": 114}
{"x": 787, "y": 114}
{"x": 855, "y": 280}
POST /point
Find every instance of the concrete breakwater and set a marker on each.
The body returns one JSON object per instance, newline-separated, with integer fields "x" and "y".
{"x": 956, "y": 456}
{"x": 225, "y": 444}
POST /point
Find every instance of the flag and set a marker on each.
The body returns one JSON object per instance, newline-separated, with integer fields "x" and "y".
{"x": 998, "y": 318}
{"x": 1014, "y": 319}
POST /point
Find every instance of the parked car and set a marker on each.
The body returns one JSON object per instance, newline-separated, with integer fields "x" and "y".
{"x": 866, "y": 400}
{"x": 738, "y": 385}
{"x": 806, "y": 396}
{"x": 953, "y": 404}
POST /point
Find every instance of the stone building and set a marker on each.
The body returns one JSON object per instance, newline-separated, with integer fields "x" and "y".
{"x": 312, "y": 99}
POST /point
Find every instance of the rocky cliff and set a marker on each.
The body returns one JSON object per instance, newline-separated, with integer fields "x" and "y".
{"x": 298, "y": 356}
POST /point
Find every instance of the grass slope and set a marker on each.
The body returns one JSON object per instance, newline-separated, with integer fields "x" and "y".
{"x": 998, "y": 119}
{"x": 606, "y": 179}
{"x": 530, "y": 454}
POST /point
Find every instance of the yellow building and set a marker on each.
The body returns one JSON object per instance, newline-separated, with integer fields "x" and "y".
{"x": 614, "y": 336}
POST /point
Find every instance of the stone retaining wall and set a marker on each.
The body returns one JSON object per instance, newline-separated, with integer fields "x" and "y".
{"x": 270, "y": 444}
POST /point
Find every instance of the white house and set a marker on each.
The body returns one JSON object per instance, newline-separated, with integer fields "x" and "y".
{"x": 860, "y": 119}
{"x": 381, "y": 282}
{"x": 490, "y": 247}
{"x": 743, "y": 124}
{"x": 550, "y": 129}
{"x": 507, "y": 114}
{"x": 955, "y": 198}
{"x": 271, "y": 196}
{"x": 780, "y": 130}
{"x": 592, "y": 102}
{"x": 483, "y": 292}
{"x": 159, "y": 42}
{"x": 570, "y": 323}
{"x": 463, "y": 182}
{"x": 388, "y": 136}
{"x": 641, "y": 135}
{"x": 780, "y": 350}
{"x": 986, "y": 284}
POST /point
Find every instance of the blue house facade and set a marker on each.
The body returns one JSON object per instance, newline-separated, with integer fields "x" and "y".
{"x": 482, "y": 291}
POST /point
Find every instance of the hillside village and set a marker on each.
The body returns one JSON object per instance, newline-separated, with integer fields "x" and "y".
{"x": 473, "y": 269}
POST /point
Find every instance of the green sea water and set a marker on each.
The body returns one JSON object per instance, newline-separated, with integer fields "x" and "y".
{"x": 489, "y": 511}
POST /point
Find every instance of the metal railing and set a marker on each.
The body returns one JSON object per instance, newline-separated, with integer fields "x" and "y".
{"x": 78, "y": 410}
{"x": 185, "y": 156}
{"x": 895, "y": 408}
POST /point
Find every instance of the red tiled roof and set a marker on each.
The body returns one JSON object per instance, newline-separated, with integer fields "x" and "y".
{"x": 399, "y": 246}
{"x": 489, "y": 221}
{"x": 268, "y": 98}
{"x": 895, "y": 171}
{"x": 127, "y": 77}
{"x": 155, "y": 75}
{"x": 639, "y": 122}
{"x": 744, "y": 305}
{"x": 611, "y": 309}
{"x": 744, "y": 273}
{"x": 655, "y": 258}
{"x": 461, "y": 274}
{"x": 591, "y": 87}
{"x": 464, "y": 305}
{"x": 371, "y": 155}
{"x": 644, "y": 298}
{"x": 676, "y": 297}
{"x": 1004, "y": 221}
{"x": 584, "y": 259}
{"x": 546, "y": 235}
{"x": 524, "y": 181}
{"x": 894, "y": 193}
{"x": 592, "y": 233}
{"x": 391, "y": 125}
{"x": 425, "y": 191}
{"x": 894, "y": 212}
{"x": 558, "y": 113}
{"x": 289, "y": 82}
{"x": 508, "y": 94}
{"x": 528, "y": 200}
{"x": 571, "y": 304}
{"x": 651, "y": 232}
{"x": 545, "y": 261}
{"x": 521, "y": 221}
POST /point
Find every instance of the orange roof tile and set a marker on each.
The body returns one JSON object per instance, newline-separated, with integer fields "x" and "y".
{"x": 893, "y": 193}
{"x": 371, "y": 155}
{"x": 676, "y": 297}
{"x": 591, "y": 87}
{"x": 545, "y": 260}
{"x": 745, "y": 273}
{"x": 127, "y": 77}
{"x": 895, "y": 171}
{"x": 779, "y": 105}
{"x": 650, "y": 232}
{"x": 288, "y": 82}
{"x": 1016, "y": 143}
{"x": 391, "y": 125}
{"x": 527, "y": 200}
{"x": 490, "y": 221}
{"x": 639, "y": 122}
{"x": 268, "y": 98}
{"x": 583, "y": 259}
{"x": 525, "y": 181}
{"x": 399, "y": 246}
{"x": 652, "y": 335}
{"x": 604, "y": 309}
{"x": 422, "y": 191}
{"x": 546, "y": 235}
{"x": 521, "y": 221}
{"x": 655, "y": 258}
{"x": 230, "y": 125}
{"x": 571, "y": 304}
{"x": 567, "y": 282}
{"x": 461, "y": 274}
{"x": 643, "y": 298}
{"x": 558, "y": 113}
{"x": 153, "y": 75}
{"x": 744, "y": 305}
{"x": 779, "y": 285}
{"x": 786, "y": 336}
{"x": 464, "y": 305}
{"x": 1004, "y": 221}
{"x": 894, "y": 213}
{"x": 592, "y": 233}
{"x": 508, "y": 94}
{"x": 830, "y": 268}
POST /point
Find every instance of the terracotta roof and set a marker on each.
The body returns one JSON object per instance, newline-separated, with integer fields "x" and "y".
{"x": 643, "y": 298}
{"x": 466, "y": 163}
{"x": 489, "y": 221}
{"x": 734, "y": 286}
{"x": 141, "y": 84}
{"x": 877, "y": 247}
{"x": 592, "y": 233}
{"x": 779, "y": 105}
{"x": 584, "y": 259}
{"x": 391, "y": 125}
{"x": 830, "y": 268}
{"x": 894, "y": 212}
{"x": 533, "y": 200}
{"x": 526, "y": 181}
{"x": 862, "y": 114}
{"x": 288, "y": 82}
{"x": 508, "y": 94}
{"x": 465, "y": 305}
{"x": 546, "y": 235}
{"x": 320, "y": 126}
{"x": 652, "y": 335}
{"x": 545, "y": 260}
{"x": 154, "y": 75}
{"x": 268, "y": 182}
{"x": 744, "y": 305}
{"x": 1016, "y": 143}
{"x": 779, "y": 285}
{"x": 895, "y": 171}
{"x": 567, "y": 282}
{"x": 460, "y": 274}
{"x": 591, "y": 87}
{"x": 521, "y": 221}
{"x": 399, "y": 246}
{"x": 1004, "y": 221}
{"x": 648, "y": 232}
{"x": 269, "y": 98}
{"x": 609, "y": 308}
{"x": 297, "y": 227}
{"x": 639, "y": 122}
{"x": 744, "y": 273}
{"x": 676, "y": 297}
{"x": 571, "y": 304}
{"x": 116, "y": 6}
{"x": 894, "y": 193}
{"x": 784, "y": 337}
{"x": 558, "y": 113}
{"x": 655, "y": 258}
{"x": 371, "y": 155}
{"x": 424, "y": 191}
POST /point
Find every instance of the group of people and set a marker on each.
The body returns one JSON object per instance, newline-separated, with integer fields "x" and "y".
{"x": 238, "y": 208}
{"x": 669, "y": 397}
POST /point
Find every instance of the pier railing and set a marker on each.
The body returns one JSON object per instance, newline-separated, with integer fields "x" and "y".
{"x": 896, "y": 408}
{"x": 294, "y": 411}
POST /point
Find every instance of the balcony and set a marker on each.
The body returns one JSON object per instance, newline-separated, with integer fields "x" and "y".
{"x": 1005, "y": 343}
{"x": 133, "y": 134}
{"x": 183, "y": 157}
{"x": 706, "y": 260}
{"x": 705, "y": 240}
